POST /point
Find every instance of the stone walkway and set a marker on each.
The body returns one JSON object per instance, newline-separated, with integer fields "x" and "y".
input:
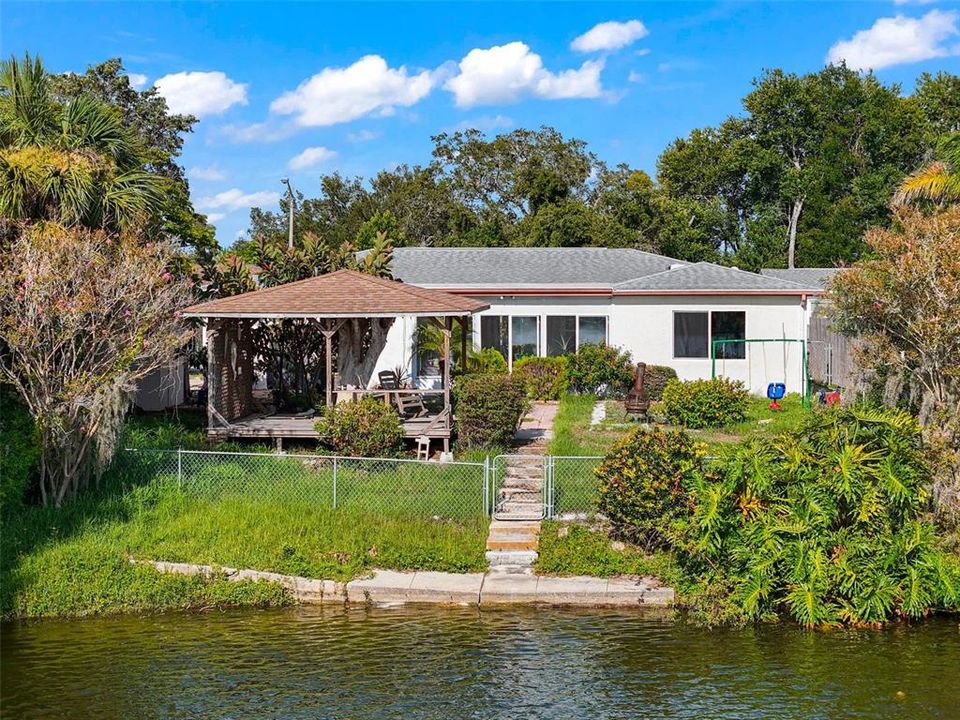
{"x": 386, "y": 587}
{"x": 515, "y": 530}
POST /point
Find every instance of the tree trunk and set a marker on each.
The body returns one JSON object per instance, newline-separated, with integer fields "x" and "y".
{"x": 359, "y": 344}
{"x": 795, "y": 211}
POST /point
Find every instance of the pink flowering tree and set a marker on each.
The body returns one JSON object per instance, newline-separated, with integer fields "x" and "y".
{"x": 84, "y": 315}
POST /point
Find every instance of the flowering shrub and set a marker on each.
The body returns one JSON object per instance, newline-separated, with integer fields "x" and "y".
{"x": 705, "y": 403}
{"x": 600, "y": 370}
{"x": 366, "y": 428}
{"x": 644, "y": 481}
{"x": 489, "y": 409}
{"x": 544, "y": 377}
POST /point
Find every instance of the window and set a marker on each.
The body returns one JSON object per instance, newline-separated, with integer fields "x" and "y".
{"x": 561, "y": 334}
{"x": 495, "y": 333}
{"x": 524, "y": 339}
{"x": 694, "y": 332}
{"x": 728, "y": 325}
{"x": 428, "y": 344}
{"x": 690, "y": 335}
{"x": 593, "y": 330}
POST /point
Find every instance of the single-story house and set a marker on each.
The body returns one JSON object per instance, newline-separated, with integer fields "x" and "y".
{"x": 549, "y": 301}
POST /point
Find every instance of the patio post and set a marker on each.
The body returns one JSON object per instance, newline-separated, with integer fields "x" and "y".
{"x": 463, "y": 344}
{"x": 447, "y": 331}
{"x": 329, "y": 329}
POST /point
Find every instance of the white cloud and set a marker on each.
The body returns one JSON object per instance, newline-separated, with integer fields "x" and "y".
{"x": 610, "y": 36}
{"x": 914, "y": 2}
{"x": 215, "y": 217}
{"x": 137, "y": 80}
{"x": 898, "y": 40}
{"x": 507, "y": 73}
{"x": 486, "y": 123}
{"x": 336, "y": 95}
{"x": 311, "y": 157}
{"x": 636, "y": 77}
{"x": 363, "y": 136}
{"x": 256, "y": 132}
{"x": 201, "y": 93}
{"x": 679, "y": 64}
{"x": 236, "y": 199}
{"x": 211, "y": 172}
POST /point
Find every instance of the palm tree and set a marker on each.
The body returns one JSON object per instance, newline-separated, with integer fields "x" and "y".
{"x": 69, "y": 162}
{"x": 940, "y": 180}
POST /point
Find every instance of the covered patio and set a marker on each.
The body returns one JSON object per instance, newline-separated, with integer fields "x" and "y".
{"x": 326, "y": 302}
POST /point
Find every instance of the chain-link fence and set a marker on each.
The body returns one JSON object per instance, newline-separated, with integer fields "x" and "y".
{"x": 385, "y": 486}
{"x": 388, "y": 486}
{"x": 571, "y": 486}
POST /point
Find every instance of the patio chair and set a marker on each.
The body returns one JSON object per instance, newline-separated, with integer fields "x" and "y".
{"x": 411, "y": 406}
{"x": 389, "y": 380}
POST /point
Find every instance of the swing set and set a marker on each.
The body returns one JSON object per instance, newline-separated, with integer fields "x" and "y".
{"x": 775, "y": 391}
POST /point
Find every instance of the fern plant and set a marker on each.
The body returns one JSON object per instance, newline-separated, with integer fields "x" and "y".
{"x": 825, "y": 524}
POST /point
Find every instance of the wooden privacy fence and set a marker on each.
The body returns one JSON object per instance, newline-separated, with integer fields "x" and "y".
{"x": 830, "y": 354}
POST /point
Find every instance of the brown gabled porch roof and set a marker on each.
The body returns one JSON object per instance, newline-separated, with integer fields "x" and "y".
{"x": 340, "y": 294}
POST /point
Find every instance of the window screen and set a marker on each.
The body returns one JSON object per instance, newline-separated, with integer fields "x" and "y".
{"x": 524, "y": 337}
{"x": 729, "y": 325}
{"x": 494, "y": 333}
{"x": 593, "y": 330}
{"x": 690, "y": 337}
{"x": 561, "y": 335}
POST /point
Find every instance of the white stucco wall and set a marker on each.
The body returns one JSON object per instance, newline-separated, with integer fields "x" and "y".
{"x": 644, "y": 326}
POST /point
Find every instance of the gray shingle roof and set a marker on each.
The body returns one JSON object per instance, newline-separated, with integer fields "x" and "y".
{"x": 706, "y": 276}
{"x": 808, "y": 277}
{"x": 615, "y": 269}
{"x": 524, "y": 267}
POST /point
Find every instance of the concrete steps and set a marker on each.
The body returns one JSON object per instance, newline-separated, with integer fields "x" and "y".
{"x": 512, "y": 544}
{"x": 520, "y": 496}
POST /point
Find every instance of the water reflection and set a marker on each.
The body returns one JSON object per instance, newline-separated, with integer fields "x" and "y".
{"x": 433, "y": 663}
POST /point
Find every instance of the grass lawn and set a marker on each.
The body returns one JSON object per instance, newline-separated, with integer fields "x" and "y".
{"x": 573, "y": 434}
{"x": 761, "y": 421}
{"x": 573, "y": 549}
{"x": 273, "y": 514}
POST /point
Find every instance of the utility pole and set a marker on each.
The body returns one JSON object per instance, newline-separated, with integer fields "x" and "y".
{"x": 290, "y": 205}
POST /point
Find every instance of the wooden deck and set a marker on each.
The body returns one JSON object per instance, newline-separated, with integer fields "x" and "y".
{"x": 291, "y": 426}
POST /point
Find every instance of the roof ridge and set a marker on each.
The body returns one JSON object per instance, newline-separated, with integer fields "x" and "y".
{"x": 656, "y": 274}
{"x": 757, "y": 274}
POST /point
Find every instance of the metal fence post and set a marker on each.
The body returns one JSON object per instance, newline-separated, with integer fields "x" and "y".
{"x": 179, "y": 468}
{"x": 486, "y": 485}
{"x": 334, "y": 483}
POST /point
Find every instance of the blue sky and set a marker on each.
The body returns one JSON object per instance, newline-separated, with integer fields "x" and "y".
{"x": 300, "y": 89}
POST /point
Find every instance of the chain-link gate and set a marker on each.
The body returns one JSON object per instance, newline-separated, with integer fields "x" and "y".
{"x": 518, "y": 487}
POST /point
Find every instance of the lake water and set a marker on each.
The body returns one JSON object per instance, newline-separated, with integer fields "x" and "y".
{"x": 443, "y": 663}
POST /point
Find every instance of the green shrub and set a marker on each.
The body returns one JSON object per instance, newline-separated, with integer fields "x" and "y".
{"x": 19, "y": 452}
{"x": 824, "y": 523}
{"x": 544, "y": 377}
{"x": 656, "y": 379}
{"x": 705, "y": 403}
{"x": 366, "y": 428}
{"x": 489, "y": 409}
{"x": 600, "y": 370}
{"x": 643, "y": 482}
{"x": 487, "y": 362}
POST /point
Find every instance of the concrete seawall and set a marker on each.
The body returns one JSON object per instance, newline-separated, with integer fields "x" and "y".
{"x": 438, "y": 588}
